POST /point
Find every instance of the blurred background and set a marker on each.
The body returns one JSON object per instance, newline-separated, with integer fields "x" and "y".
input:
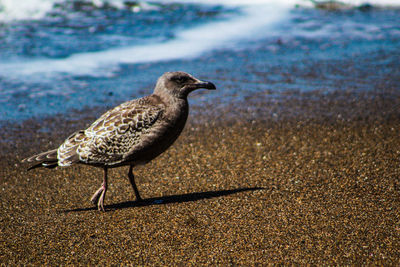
{"x": 59, "y": 55}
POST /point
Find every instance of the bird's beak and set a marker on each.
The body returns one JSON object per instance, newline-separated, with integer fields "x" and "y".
{"x": 204, "y": 84}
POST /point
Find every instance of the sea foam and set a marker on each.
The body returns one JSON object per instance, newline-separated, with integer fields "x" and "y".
{"x": 186, "y": 44}
{"x": 11, "y": 10}
{"x": 256, "y": 20}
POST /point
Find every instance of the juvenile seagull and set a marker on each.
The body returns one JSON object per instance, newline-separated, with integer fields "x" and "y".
{"x": 132, "y": 133}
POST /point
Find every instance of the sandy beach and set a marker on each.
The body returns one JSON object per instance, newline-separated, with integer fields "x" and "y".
{"x": 304, "y": 178}
{"x": 293, "y": 160}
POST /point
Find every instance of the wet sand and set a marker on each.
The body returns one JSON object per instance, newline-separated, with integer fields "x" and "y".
{"x": 301, "y": 178}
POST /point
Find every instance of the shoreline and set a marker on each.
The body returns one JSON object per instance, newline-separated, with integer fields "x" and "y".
{"x": 340, "y": 105}
{"x": 270, "y": 180}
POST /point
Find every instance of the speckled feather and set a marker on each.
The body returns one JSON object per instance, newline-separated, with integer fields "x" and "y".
{"x": 115, "y": 135}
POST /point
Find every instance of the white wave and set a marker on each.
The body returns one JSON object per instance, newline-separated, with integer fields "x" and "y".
{"x": 11, "y": 10}
{"x": 187, "y": 44}
{"x": 291, "y": 3}
{"x": 29, "y": 9}
{"x": 372, "y": 2}
{"x": 256, "y": 15}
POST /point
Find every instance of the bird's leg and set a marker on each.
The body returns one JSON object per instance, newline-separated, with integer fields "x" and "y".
{"x": 99, "y": 195}
{"x": 96, "y": 195}
{"x": 132, "y": 180}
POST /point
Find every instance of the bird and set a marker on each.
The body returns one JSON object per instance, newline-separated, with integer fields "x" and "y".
{"x": 130, "y": 134}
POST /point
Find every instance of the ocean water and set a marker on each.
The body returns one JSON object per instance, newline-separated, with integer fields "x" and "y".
{"x": 59, "y": 55}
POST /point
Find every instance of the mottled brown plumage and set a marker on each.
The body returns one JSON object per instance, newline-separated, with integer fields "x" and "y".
{"x": 132, "y": 133}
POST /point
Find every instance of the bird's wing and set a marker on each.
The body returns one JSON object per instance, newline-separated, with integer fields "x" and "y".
{"x": 66, "y": 153}
{"x": 110, "y": 138}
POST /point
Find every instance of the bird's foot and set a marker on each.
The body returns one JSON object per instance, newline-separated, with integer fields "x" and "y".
{"x": 95, "y": 198}
{"x": 98, "y": 198}
{"x": 100, "y": 204}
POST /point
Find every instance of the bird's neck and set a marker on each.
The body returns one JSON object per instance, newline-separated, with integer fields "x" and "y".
{"x": 175, "y": 106}
{"x": 178, "y": 107}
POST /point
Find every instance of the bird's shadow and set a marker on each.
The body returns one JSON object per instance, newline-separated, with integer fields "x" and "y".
{"x": 169, "y": 199}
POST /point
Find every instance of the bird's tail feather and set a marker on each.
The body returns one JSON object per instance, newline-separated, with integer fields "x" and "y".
{"x": 46, "y": 159}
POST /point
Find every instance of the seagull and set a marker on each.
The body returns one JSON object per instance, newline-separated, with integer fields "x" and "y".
{"x": 131, "y": 134}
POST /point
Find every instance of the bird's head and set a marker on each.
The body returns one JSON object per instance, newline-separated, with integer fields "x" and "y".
{"x": 180, "y": 84}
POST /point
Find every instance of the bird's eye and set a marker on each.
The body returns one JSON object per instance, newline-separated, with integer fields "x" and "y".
{"x": 181, "y": 79}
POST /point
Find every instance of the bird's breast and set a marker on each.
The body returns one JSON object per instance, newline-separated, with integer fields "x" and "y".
{"x": 163, "y": 134}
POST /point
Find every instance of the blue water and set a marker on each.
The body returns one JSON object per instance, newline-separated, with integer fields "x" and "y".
{"x": 80, "y": 56}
